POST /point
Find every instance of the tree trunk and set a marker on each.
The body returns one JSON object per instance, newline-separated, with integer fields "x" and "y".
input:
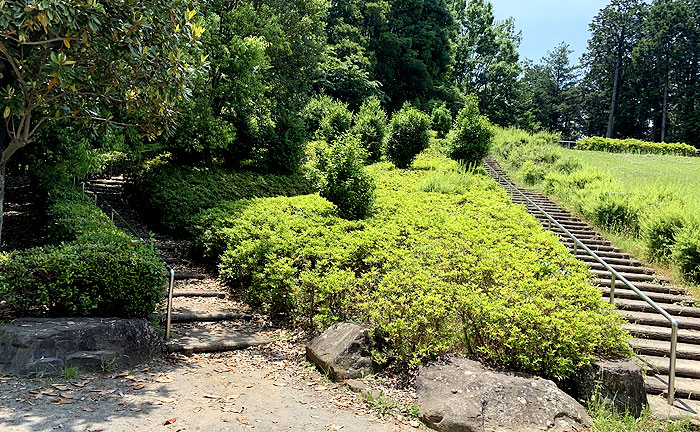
{"x": 2, "y": 195}
{"x": 664, "y": 119}
{"x": 616, "y": 85}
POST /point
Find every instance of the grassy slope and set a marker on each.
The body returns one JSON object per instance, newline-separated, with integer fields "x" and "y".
{"x": 635, "y": 170}
{"x": 641, "y": 172}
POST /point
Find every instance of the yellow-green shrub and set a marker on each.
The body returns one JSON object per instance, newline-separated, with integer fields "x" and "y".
{"x": 434, "y": 272}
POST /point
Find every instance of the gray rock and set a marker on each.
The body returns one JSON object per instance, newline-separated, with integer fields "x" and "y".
{"x": 618, "y": 383}
{"x": 31, "y": 346}
{"x": 461, "y": 395}
{"x": 342, "y": 351}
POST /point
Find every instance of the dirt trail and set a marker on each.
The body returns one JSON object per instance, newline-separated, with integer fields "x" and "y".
{"x": 257, "y": 389}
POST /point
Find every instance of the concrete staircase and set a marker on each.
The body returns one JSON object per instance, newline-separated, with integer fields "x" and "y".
{"x": 651, "y": 332}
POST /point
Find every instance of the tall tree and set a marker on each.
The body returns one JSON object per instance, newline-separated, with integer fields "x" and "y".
{"x": 487, "y": 59}
{"x": 614, "y": 33}
{"x": 412, "y": 51}
{"x": 553, "y": 94}
{"x": 84, "y": 60}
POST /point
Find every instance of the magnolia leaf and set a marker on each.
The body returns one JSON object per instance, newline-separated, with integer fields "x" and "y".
{"x": 6, "y": 113}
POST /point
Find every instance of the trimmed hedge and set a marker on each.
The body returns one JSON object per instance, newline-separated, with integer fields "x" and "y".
{"x": 635, "y": 146}
{"x": 174, "y": 195}
{"x": 97, "y": 270}
{"x": 434, "y": 272}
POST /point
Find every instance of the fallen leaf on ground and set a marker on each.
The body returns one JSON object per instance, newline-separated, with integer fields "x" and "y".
{"x": 66, "y": 395}
{"x": 280, "y": 384}
{"x": 60, "y": 387}
{"x": 242, "y": 420}
{"x": 64, "y": 401}
{"x": 233, "y": 396}
{"x": 414, "y": 423}
{"x": 333, "y": 427}
{"x": 211, "y": 396}
{"x": 136, "y": 409}
{"x": 320, "y": 388}
{"x": 88, "y": 409}
{"x": 169, "y": 421}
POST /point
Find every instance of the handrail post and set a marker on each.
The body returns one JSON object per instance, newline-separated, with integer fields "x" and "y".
{"x": 672, "y": 365}
{"x": 170, "y": 304}
{"x": 613, "y": 280}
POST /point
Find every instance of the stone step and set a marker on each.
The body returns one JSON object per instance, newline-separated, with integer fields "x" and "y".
{"x": 582, "y": 256}
{"x": 196, "y": 293}
{"x": 632, "y": 277}
{"x": 641, "y": 331}
{"x": 661, "y": 298}
{"x": 660, "y": 366}
{"x": 188, "y": 276}
{"x": 189, "y": 317}
{"x": 656, "y": 348}
{"x": 213, "y": 341}
{"x": 642, "y": 306}
{"x": 656, "y": 319}
{"x": 643, "y": 286}
{"x": 685, "y": 387}
{"x": 621, "y": 268}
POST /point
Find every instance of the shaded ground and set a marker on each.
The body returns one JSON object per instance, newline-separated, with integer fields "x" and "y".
{"x": 265, "y": 389}
{"x": 24, "y": 221}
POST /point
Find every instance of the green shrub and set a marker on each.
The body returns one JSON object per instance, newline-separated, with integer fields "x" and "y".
{"x": 111, "y": 277}
{"x": 408, "y": 136}
{"x": 97, "y": 270}
{"x": 371, "y": 127}
{"x": 686, "y": 251}
{"x": 659, "y": 228}
{"x": 635, "y": 146}
{"x": 315, "y": 110}
{"x": 434, "y": 272}
{"x": 441, "y": 120}
{"x": 174, "y": 195}
{"x": 531, "y": 173}
{"x": 340, "y": 176}
{"x": 336, "y": 122}
{"x": 471, "y": 138}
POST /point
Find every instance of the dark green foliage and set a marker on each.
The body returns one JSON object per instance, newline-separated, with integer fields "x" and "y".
{"x": 424, "y": 270}
{"x": 98, "y": 270}
{"x": 471, "y": 138}
{"x": 441, "y": 120}
{"x": 339, "y": 174}
{"x": 659, "y": 229}
{"x": 686, "y": 251}
{"x": 371, "y": 128}
{"x": 173, "y": 196}
{"x": 635, "y": 146}
{"x": 408, "y": 136}
{"x": 335, "y": 123}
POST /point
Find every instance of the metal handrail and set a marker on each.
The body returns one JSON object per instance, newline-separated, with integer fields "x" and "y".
{"x": 614, "y": 275}
{"x": 169, "y": 270}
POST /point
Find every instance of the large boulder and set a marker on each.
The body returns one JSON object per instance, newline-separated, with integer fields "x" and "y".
{"x": 343, "y": 351}
{"x": 618, "y": 383}
{"x": 36, "y": 346}
{"x": 461, "y": 395}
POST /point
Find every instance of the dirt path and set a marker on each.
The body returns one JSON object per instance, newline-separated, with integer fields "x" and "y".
{"x": 253, "y": 389}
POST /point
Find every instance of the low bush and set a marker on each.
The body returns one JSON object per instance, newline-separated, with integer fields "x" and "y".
{"x": 441, "y": 120}
{"x": 686, "y": 251}
{"x": 96, "y": 270}
{"x": 336, "y": 121}
{"x": 408, "y": 136}
{"x": 339, "y": 174}
{"x": 635, "y": 146}
{"x": 659, "y": 228}
{"x": 434, "y": 272}
{"x": 174, "y": 195}
{"x": 371, "y": 127}
{"x": 471, "y": 138}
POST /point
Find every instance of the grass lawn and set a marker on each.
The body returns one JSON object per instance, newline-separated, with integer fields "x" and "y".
{"x": 643, "y": 170}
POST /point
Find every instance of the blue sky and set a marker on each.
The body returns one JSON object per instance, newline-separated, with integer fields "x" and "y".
{"x": 546, "y": 23}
